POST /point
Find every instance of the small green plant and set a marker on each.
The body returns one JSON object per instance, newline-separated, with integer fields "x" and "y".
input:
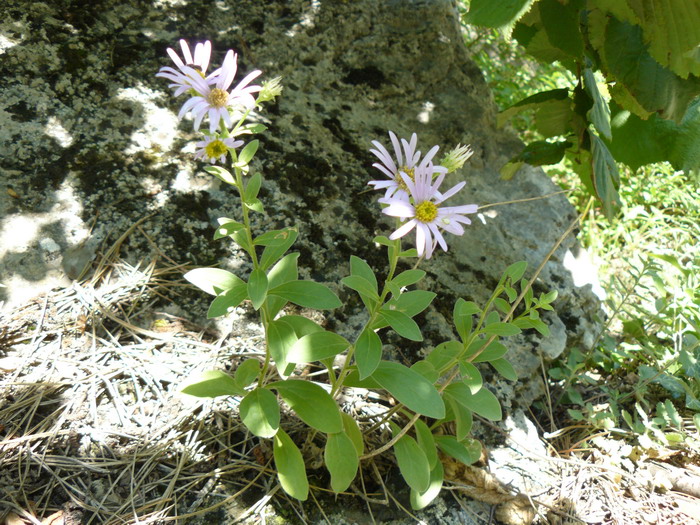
{"x": 435, "y": 397}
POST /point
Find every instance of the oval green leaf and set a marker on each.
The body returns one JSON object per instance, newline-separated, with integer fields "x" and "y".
{"x": 410, "y": 388}
{"x": 368, "y": 352}
{"x": 402, "y": 324}
{"x": 290, "y": 466}
{"x": 317, "y": 346}
{"x": 212, "y": 280}
{"x": 341, "y": 460}
{"x": 308, "y": 294}
{"x": 260, "y": 412}
{"x": 412, "y": 462}
{"x": 311, "y": 403}
{"x": 213, "y": 383}
{"x": 228, "y": 300}
{"x": 420, "y": 500}
{"x": 257, "y": 287}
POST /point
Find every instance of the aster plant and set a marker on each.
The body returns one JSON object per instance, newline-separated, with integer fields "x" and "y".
{"x": 429, "y": 406}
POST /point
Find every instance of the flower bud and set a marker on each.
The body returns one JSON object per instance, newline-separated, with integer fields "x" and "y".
{"x": 270, "y": 90}
{"x": 456, "y": 158}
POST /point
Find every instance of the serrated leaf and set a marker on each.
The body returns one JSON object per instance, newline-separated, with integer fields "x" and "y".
{"x": 228, "y": 300}
{"x": 408, "y": 277}
{"x": 502, "y": 329}
{"x": 426, "y": 442}
{"x": 260, "y": 412}
{"x": 368, "y": 352}
{"x": 410, "y": 388}
{"x": 536, "y": 101}
{"x": 483, "y": 402}
{"x": 542, "y": 152}
{"x": 413, "y": 464}
{"x": 496, "y": 14}
{"x": 468, "y": 452}
{"x": 561, "y": 23}
{"x": 290, "y": 466}
{"x": 247, "y": 372}
{"x": 212, "y": 280}
{"x": 213, "y": 383}
{"x": 504, "y": 368}
{"x": 317, "y": 346}
{"x": 444, "y": 354}
{"x": 599, "y": 114}
{"x": 247, "y": 153}
{"x": 554, "y": 119}
{"x": 311, "y": 403}
{"x": 420, "y": 500}
{"x": 308, "y": 294}
{"x": 341, "y": 460}
{"x": 227, "y": 227}
{"x": 605, "y": 176}
{"x": 402, "y": 324}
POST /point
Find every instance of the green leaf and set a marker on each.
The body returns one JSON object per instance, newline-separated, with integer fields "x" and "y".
{"x": 501, "y": 305}
{"x": 483, "y": 402}
{"x": 278, "y": 246}
{"x": 280, "y": 339}
{"x": 317, "y": 346}
{"x": 561, "y": 23}
{"x": 241, "y": 238}
{"x": 353, "y": 431}
{"x": 536, "y": 101}
{"x": 247, "y": 153}
{"x": 290, "y": 466}
{"x": 413, "y": 464}
{"x": 228, "y": 300}
{"x": 496, "y": 14}
{"x": 503, "y": 329}
{"x": 257, "y": 287}
{"x": 252, "y": 188}
{"x": 363, "y": 287}
{"x": 426, "y": 442}
{"x": 408, "y": 277}
{"x": 542, "y": 152}
{"x": 255, "y": 205}
{"x": 655, "y": 88}
{"x": 462, "y": 317}
{"x": 495, "y": 350}
{"x": 605, "y": 176}
{"x": 412, "y": 303}
{"x": 402, "y": 324}
{"x": 341, "y": 460}
{"x": 360, "y": 268}
{"x": 468, "y": 452}
{"x": 443, "y": 355}
{"x": 410, "y": 388}
{"x": 213, "y": 383}
{"x": 420, "y": 500}
{"x": 212, "y": 280}
{"x": 308, "y": 294}
{"x": 301, "y": 325}
{"x": 599, "y": 114}
{"x": 462, "y": 415}
{"x": 260, "y": 412}
{"x": 555, "y": 118}
{"x": 471, "y": 376}
{"x": 368, "y": 352}
{"x": 516, "y": 271}
{"x": 247, "y": 372}
{"x": 227, "y": 227}
{"x": 221, "y": 173}
{"x": 427, "y": 370}
{"x": 282, "y": 272}
{"x": 384, "y": 241}
{"x": 311, "y": 403}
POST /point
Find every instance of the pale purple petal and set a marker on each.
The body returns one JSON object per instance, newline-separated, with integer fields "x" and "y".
{"x": 404, "y": 229}
{"x": 397, "y": 147}
{"x": 452, "y": 190}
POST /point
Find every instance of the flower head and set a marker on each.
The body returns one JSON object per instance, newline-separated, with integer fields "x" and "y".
{"x": 425, "y": 212}
{"x": 270, "y": 90}
{"x": 192, "y": 65}
{"x": 214, "y": 148}
{"x": 407, "y": 162}
{"x": 215, "y": 100}
{"x": 456, "y": 158}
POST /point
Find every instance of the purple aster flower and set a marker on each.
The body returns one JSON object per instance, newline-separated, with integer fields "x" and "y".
{"x": 215, "y": 100}
{"x": 407, "y": 162}
{"x": 197, "y": 65}
{"x": 214, "y": 148}
{"x": 425, "y": 212}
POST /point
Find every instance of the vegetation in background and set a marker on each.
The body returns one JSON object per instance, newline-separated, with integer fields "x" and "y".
{"x": 642, "y": 376}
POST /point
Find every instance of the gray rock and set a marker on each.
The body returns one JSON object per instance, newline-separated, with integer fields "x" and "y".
{"x": 90, "y": 144}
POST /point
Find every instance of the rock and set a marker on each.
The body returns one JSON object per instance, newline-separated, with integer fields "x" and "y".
{"x": 90, "y": 145}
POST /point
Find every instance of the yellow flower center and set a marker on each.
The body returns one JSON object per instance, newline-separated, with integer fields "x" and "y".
{"x": 399, "y": 179}
{"x": 426, "y": 211}
{"x": 218, "y": 97}
{"x": 215, "y": 149}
